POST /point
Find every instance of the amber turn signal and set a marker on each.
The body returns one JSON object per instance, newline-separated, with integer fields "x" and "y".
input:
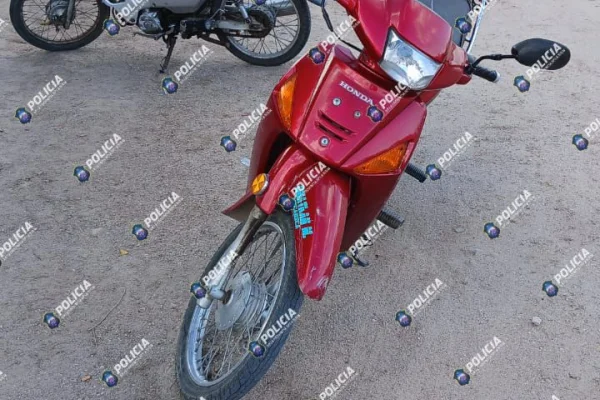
{"x": 260, "y": 184}
{"x": 285, "y": 101}
{"x": 386, "y": 162}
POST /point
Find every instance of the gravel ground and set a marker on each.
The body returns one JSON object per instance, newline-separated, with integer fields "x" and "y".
{"x": 522, "y": 141}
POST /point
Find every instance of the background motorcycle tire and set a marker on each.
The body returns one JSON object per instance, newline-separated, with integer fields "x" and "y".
{"x": 303, "y": 35}
{"x": 16, "y": 17}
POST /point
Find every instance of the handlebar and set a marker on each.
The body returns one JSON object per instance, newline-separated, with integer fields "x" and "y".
{"x": 482, "y": 72}
{"x": 487, "y": 74}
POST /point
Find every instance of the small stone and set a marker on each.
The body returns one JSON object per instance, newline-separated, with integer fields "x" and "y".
{"x": 123, "y": 252}
{"x": 573, "y": 376}
{"x": 459, "y": 229}
{"x": 96, "y": 231}
{"x": 471, "y": 251}
{"x": 536, "y": 321}
{"x": 86, "y": 378}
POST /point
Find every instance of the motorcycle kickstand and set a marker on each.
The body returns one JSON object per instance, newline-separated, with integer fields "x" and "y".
{"x": 170, "y": 41}
{"x": 361, "y": 261}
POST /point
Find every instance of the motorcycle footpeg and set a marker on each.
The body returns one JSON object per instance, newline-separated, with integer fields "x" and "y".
{"x": 416, "y": 172}
{"x": 391, "y": 218}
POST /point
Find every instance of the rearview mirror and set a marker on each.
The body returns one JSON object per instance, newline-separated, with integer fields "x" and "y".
{"x": 544, "y": 53}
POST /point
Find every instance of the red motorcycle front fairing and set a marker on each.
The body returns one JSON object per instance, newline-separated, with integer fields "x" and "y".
{"x": 337, "y": 110}
{"x": 338, "y": 214}
{"x": 331, "y": 122}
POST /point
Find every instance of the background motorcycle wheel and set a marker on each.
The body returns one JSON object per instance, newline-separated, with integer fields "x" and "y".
{"x": 29, "y": 16}
{"x": 198, "y": 352}
{"x": 291, "y": 32}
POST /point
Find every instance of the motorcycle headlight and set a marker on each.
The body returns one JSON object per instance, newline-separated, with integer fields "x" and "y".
{"x": 407, "y": 65}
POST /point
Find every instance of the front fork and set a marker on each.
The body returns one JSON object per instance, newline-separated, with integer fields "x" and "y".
{"x": 214, "y": 286}
{"x": 70, "y": 11}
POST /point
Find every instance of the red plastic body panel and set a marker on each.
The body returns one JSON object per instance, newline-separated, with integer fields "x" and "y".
{"x": 371, "y": 192}
{"x": 416, "y": 23}
{"x": 452, "y": 71}
{"x": 268, "y": 131}
{"x": 283, "y": 176}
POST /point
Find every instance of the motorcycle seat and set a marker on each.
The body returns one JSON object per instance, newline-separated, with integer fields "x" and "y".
{"x": 450, "y": 10}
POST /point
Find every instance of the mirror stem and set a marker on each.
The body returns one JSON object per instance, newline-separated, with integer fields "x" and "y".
{"x": 495, "y": 57}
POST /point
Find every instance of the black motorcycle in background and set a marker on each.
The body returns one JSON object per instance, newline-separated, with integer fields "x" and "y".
{"x": 260, "y": 32}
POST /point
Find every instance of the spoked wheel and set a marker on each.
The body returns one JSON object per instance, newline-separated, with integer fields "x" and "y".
{"x": 213, "y": 357}
{"x": 280, "y": 28}
{"x": 42, "y": 22}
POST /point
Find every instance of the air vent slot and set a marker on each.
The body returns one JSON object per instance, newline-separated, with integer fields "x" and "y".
{"x": 329, "y": 132}
{"x": 335, "y": 124}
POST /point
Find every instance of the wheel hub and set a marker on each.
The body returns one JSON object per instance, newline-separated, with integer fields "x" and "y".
{"x": 56, "y": 11}
{"x": 263, "y": 20}
{"x": 244, "y": 303}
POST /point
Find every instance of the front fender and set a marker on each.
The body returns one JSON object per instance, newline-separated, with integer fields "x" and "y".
{"x": 326, "y": 207}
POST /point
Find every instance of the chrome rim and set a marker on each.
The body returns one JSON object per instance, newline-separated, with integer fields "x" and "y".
{"x": 219, "y": 337}
{"x": 36, "y": 19}
{"x": 473, "y": 36}
{"x": 280, "y": 39}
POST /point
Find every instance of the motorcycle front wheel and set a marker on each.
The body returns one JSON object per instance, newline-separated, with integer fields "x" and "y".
{"x": 287, "y": 26}
{"x": 41, "y": 22}
{"x": 224, "y": 351}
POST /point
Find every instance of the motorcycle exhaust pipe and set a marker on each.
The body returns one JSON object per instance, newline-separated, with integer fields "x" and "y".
{"x": 214, "y": 286}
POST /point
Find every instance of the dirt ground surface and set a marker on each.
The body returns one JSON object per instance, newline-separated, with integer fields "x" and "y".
{"x": 522, "y": 141}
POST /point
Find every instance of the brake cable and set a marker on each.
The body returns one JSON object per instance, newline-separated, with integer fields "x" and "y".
{"x": 330, "y": 26}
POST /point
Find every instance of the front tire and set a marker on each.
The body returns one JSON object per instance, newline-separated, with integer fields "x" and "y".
{"x": 84, "y": 29}
{"x": 247, "y": 372}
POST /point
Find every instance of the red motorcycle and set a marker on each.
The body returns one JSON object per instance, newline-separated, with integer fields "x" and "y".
{"x": 324, "y": 163}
